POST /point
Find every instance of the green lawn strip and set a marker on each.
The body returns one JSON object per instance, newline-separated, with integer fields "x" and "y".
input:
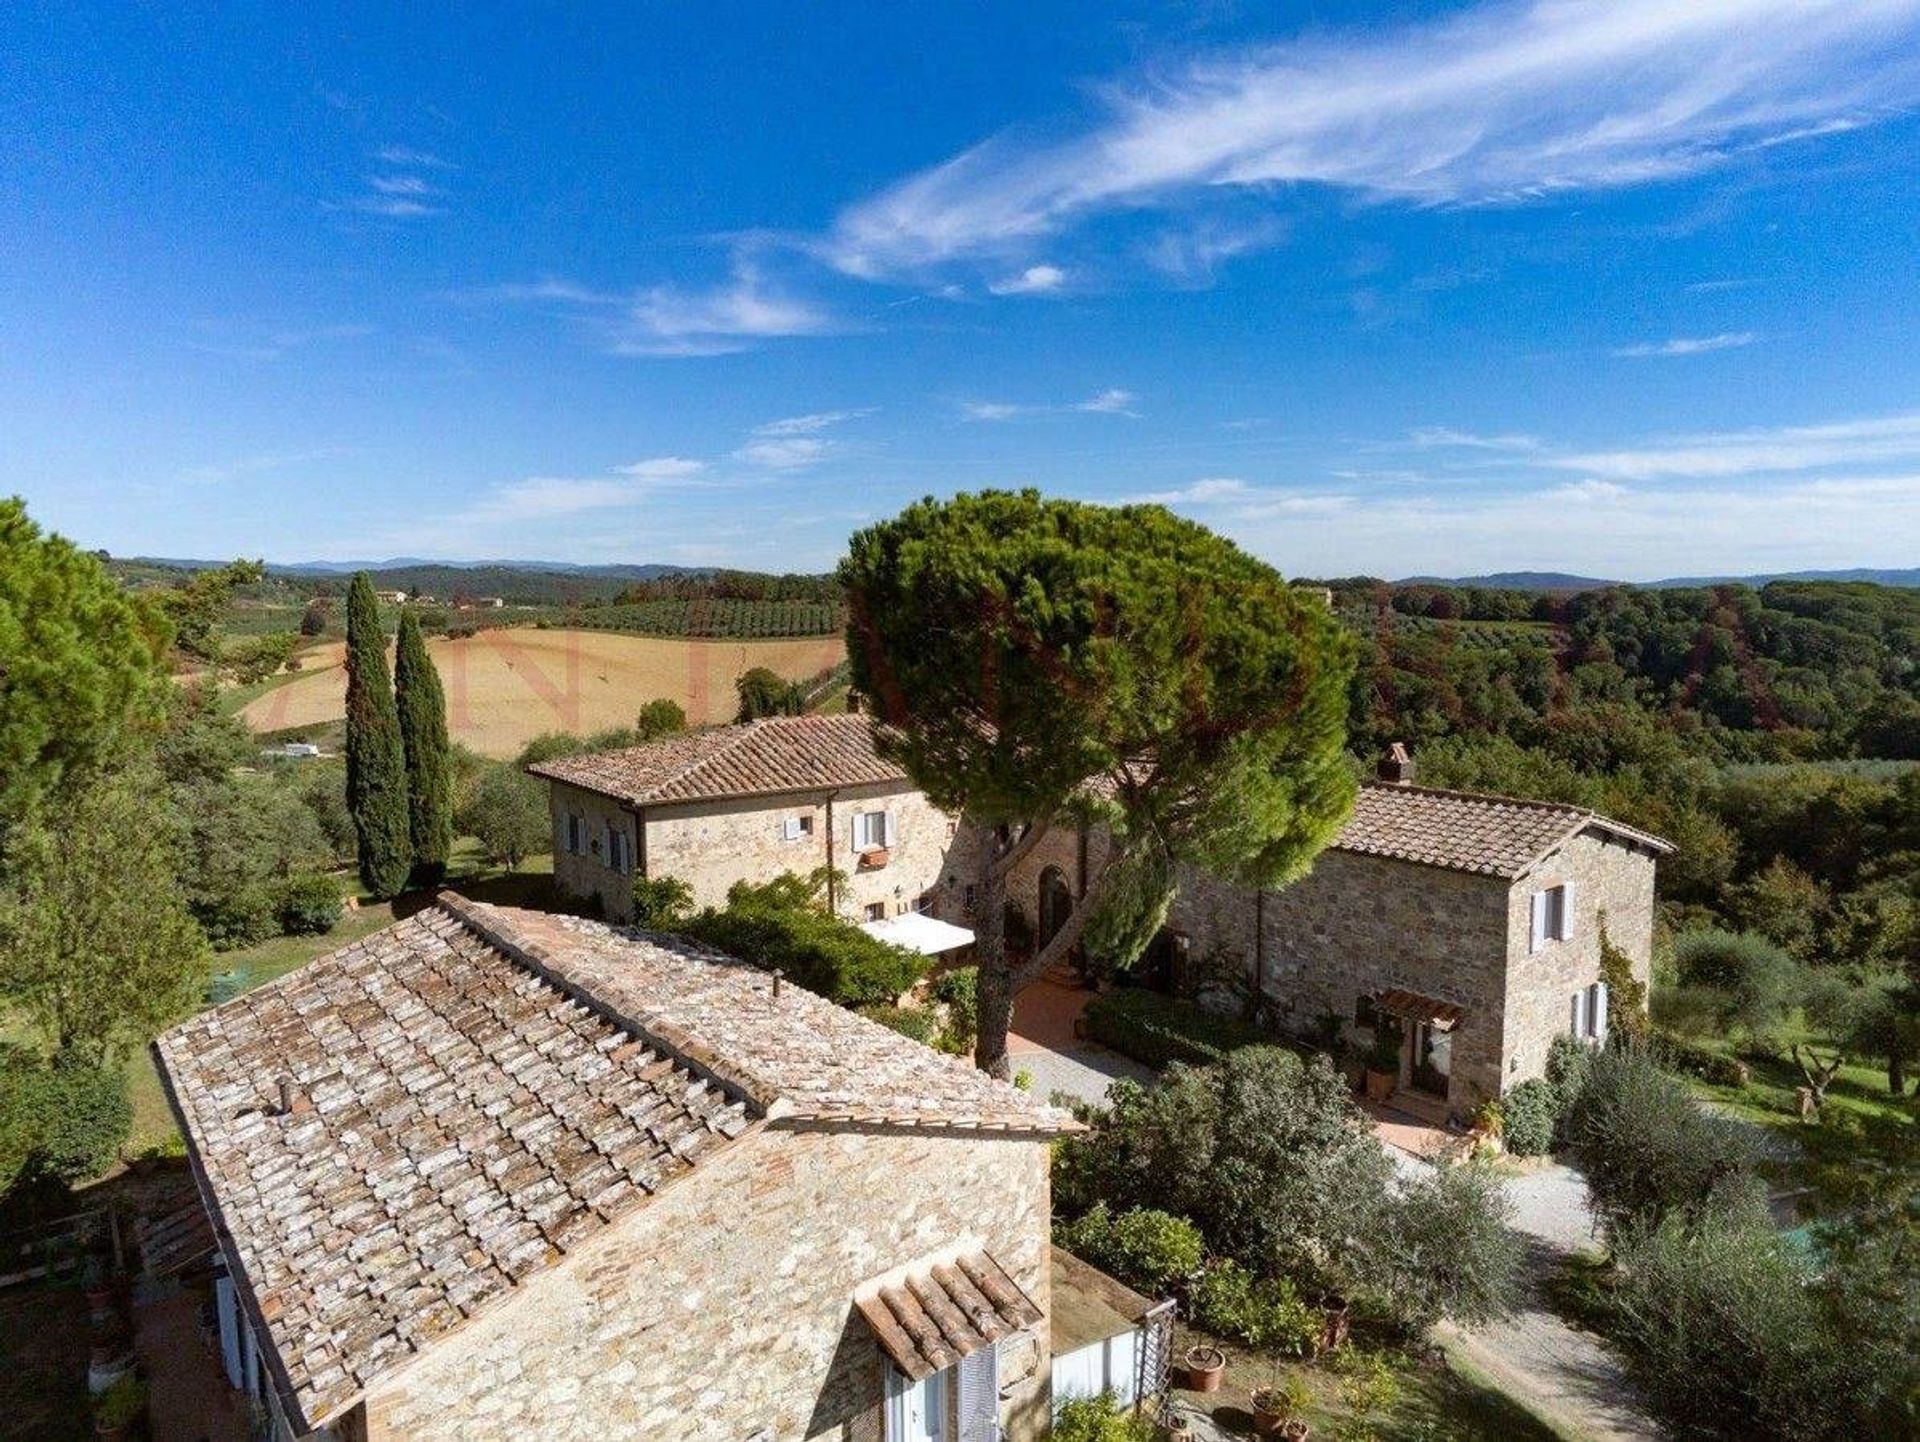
{"x": 1769, "y": 1100}
{"x": 1435, "y": 1396}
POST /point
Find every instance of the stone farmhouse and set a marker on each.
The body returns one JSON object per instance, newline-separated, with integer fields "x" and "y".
{"x": 1473, "y": 922}
{"x": 493, "y": 1173}
{"x": 748, "y": 802}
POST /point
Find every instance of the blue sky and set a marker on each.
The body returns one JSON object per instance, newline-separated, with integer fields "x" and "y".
{"x": 1621, "y": 288}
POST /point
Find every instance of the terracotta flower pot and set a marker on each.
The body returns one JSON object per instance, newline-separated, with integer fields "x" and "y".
{"x": 1336, "y": 1322}
{"x": 1268, "y": 1416}
{"x": 1296, "y": 1430}
{"x": 1205, "y": 1366}
{"x": 1380, "y": 1084}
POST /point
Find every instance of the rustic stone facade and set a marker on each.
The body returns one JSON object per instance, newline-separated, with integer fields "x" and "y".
{"x": 1356, "y": 925}
{"x": 724, "y": 1309}
{"x": 712, "y": 844}
{"x": 1611, "y": 882}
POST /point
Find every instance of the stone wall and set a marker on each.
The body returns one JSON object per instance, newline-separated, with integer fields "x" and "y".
{"x": 710, "y": 845}
{"x": 1355, "y": 925}
{"x": 1608, "y": 877}
{"x": 723, "y": 1309}
{"x": 586, "y": 874}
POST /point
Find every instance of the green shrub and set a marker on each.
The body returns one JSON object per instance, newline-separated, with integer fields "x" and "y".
{"x": 1100, "y": 1419}
{"x": 959, "y": 991}
{"x": 244, "y": 916}
{"x": 1144, "y": 1248}
{"x": 1568, "y": 1061}
{"x": 121, "y": 1404}
{"x": 1265, "y": 1312}
{"x": 310, "y": 905}
{"x": 1758, "y": 981}
{"x": 919, "y": 1022}
{"x": 1646, "y": 1146}
{"x": 660, "y": 903}
{"x": 1158, "y": 1030}
{"x": 1529, "y": 1113}
{"x": 1445, "y": 1249}
{"x": 84, "y": 1120}
{"x": 1266, "y": 1154}
{"x": 783, "y": 925}
{"x": 1729, "y": 1337}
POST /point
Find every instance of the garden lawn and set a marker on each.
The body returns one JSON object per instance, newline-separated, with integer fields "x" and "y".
{"x": 1431, "y": 1397}
{"x": 1810, "y": 1151}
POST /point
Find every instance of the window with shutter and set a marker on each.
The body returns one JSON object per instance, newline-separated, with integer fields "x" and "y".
{"x": 1578, "y": 1023}
{"x": 1538, "y": 921}
{"x": 1597, "y": 1011}
{"x": 979, "y": 1411}
{"x": 1564, "y": 912}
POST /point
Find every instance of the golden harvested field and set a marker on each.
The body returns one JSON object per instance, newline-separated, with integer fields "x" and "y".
{"x": 507, "y": 686}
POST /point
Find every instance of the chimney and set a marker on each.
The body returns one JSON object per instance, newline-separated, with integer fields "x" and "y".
{"x": 292, "y": 1103}
{"x": 1396, "y": 766}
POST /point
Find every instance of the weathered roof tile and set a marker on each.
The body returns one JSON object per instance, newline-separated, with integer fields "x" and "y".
{"x": 772, "y": 756}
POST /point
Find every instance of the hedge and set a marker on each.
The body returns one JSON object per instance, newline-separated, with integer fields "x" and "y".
{"x": 1157, "y": 1029}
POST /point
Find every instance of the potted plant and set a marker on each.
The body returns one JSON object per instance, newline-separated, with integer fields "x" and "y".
{"x": 1383, "y": 1061}
{"x": 119, "y": 1407}
{"x": 1277, "y": 1407}
{"x": 1204, "y": 1367}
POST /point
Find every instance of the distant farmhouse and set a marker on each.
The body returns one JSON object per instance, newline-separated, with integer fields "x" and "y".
{"x": 491, "y": 1173}
{"x": 1472, "y": 922}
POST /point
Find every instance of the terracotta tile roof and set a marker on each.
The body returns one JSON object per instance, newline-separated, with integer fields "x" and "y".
{"x": 800, "y": 1058}
{"x": 931, "y": 1317}
{"x": 1417, "y": 1006}
{"x": 756, "y": 758}
{"x": 457, "y": 1122}
{"x": 1461, "y": 831}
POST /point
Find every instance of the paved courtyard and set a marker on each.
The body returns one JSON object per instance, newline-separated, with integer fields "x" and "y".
{"x": 1043, "y": 1042}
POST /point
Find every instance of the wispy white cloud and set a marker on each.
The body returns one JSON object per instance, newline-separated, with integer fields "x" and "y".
{"x": 401, "y": 192}
{"x": 1758, "y": 452}
{"x": 1110, "y": 402}
{"x": 809, "y": 424}
{"x": 674, "y": 321}
{"x": 671, "y": 321}
{"x": 406, "y": 155}
{"x": 1502, "y": 102}
{"x": 1446, "y": 437}
{"x": 663, "y": 468}
{"x": 1034, "y": 280}
{"x": 790, "y": 453}
{"x": 1213, "y": 490}
{"x": 1684, "y": 345}
{"x": 260, "y": 464}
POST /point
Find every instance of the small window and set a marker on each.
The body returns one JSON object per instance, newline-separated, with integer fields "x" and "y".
{"x": 1588, "y": 1021}
{"x": 876, "y": 911}
{"x": 1364, "y": 1013}
{"x": 797, "y": 828}
{"x": 576, "y": 830}
{"x": 869, "y": 830}
{"x": 619, "y": 857}
{"x": 1552, "y": 915}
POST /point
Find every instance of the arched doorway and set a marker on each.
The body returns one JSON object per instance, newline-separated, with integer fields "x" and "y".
{"x": 1056, "y": 905}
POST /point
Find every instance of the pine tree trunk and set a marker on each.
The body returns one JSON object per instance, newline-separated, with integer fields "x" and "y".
{"x": 994, "y": 1004}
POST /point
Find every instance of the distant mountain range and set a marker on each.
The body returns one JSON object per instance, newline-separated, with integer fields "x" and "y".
{"x": 472, "y": 573}
{"x": 1561, "y": 581}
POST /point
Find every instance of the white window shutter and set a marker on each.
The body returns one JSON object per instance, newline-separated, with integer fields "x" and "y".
{"x": 1566, "y": 912}
{"x": 1538, "y": 921}
{"x": 854, "y": 825}
{"x": 890, "y": 829}
{"x": 979, "y": 1409}
{"x": 1579, "y": 997}
{"x": 1600, "y": 1010}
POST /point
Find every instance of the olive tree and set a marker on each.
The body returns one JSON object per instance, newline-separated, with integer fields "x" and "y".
{"x": 1034, "y": 663}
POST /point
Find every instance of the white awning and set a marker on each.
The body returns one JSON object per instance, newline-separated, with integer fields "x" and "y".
{"x": 916, "y": 931}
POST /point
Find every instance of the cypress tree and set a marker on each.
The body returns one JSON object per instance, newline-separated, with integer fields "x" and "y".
{"x": 423, "y": 735}
{"x": 376, "y": 761}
